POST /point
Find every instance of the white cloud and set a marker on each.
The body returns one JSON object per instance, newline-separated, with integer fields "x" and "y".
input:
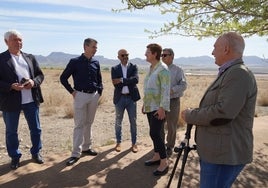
{"x": 80, "y": 16}
{"x": 98, "y": 4}
{"x": 61, "y": 25}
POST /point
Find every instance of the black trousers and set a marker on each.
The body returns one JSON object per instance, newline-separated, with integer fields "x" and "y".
{"x": 155, "y": 133}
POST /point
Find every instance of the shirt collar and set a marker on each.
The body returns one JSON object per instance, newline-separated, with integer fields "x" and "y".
{"x": 85, "y": 58}
{"x": 226, "y": 65}
{"x": 124, "y": 65}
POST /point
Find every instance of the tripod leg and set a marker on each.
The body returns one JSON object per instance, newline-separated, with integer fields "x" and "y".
{"x": 174, "y": 168}
{"x": 184, "y": 160}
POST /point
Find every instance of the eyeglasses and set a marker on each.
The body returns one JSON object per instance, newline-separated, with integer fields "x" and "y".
{"x": 124, "y": 55}
{"x": 165, "y": 55}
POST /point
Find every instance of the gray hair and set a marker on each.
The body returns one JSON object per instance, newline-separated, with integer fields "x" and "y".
{"x": 236, "y": 42}
{"x": 169, "y": 50}
{"x": 10, "y": 33}
{"x": 87, "y": 41}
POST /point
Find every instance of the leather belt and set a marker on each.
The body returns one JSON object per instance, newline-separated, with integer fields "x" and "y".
{"x": 86, "y": 91}
{"x": 125, "y": 94}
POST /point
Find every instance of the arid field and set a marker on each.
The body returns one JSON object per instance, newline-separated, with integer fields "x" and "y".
{"x": 56, "y": 112}
{"x": 56, "y": 117}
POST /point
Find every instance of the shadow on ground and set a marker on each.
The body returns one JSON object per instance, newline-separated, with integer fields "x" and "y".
{"x": 121, "y": 170}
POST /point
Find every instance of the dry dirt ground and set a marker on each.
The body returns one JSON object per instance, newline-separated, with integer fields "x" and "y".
{"x": 126, "y": 169}
{"x": 109, "y": 168}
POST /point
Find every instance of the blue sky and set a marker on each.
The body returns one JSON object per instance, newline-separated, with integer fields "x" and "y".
{"x": 62, "y": 25}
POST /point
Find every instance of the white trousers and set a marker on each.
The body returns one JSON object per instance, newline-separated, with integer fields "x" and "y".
{"x": 85, "y": 107}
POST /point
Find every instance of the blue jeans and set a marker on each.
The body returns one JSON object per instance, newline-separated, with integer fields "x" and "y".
{"x": 217, "y": 175}
{"x": 126, "y": 103}
{"x": 11, "y": 119}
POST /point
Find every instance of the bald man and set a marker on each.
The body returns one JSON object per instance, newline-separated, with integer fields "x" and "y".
{"x": 125, "y": 79}
{"x": 224, "y": 119}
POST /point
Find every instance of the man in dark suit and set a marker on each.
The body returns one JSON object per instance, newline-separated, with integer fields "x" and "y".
{"x": 20, "y": 80}
{"x": 125, "y": 78}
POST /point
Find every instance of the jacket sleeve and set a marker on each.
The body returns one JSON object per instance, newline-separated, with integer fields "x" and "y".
{"x": 133, "y": 79}
{"x": 37, "y": 75}
{"x": 223, "y": 100}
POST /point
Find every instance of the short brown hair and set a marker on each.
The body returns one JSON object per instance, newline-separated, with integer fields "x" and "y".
{"x": 155, "y": 48}
{"x": 87, "y": 41}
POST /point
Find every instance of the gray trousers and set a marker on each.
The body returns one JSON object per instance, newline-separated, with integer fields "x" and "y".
{"x": 172, "y": 122}
{"x": 85, "y": 107}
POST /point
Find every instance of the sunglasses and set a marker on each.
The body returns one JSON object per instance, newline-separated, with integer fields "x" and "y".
{"x": 124, "y": 55}
{"x": 165, "y": 55}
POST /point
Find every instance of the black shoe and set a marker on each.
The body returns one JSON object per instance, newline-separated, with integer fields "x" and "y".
{"x": 151, "y": 163}
{"x": 15, "y": 163}
{"x": 161, "y": 173}
{"x": 71, "y": 161}
{"x": 90, "y": 152}
{"x": 37, "y": 158}
{"x": 169, "y": 151}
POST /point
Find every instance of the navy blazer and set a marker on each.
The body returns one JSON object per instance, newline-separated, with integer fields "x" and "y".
{"x": 131, "y": 81}
{"x": 10, "y": 100}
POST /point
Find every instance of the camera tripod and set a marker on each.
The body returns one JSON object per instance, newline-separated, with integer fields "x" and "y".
{"x": 184, "y": 146}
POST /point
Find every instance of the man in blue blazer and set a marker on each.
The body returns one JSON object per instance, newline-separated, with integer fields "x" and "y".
{"x": 125, "y": 78}
{"x": 224, "y": 118}
{"x": 20, "y": 80}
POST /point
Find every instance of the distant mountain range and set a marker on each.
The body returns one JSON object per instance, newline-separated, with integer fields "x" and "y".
{"x": 60, "y": 59}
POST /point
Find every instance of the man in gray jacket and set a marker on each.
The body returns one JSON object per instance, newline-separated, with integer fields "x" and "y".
{"x": 177, "y": 86}
{"x": 224, "y": 119}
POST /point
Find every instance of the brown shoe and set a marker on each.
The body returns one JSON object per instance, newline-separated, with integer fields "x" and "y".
{"x": 118, "y": 147}
{"x": 134, "y": 148}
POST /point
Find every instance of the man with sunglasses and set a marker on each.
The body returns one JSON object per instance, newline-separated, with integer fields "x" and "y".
{"x": 177, "y": 86}
{"x": 125, "y": 78}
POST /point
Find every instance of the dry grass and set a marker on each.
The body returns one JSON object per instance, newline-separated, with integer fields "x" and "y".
{"x": 263, "y": 99}
{"x": 58, "y": 100}
{"x": 56, "y": 113}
